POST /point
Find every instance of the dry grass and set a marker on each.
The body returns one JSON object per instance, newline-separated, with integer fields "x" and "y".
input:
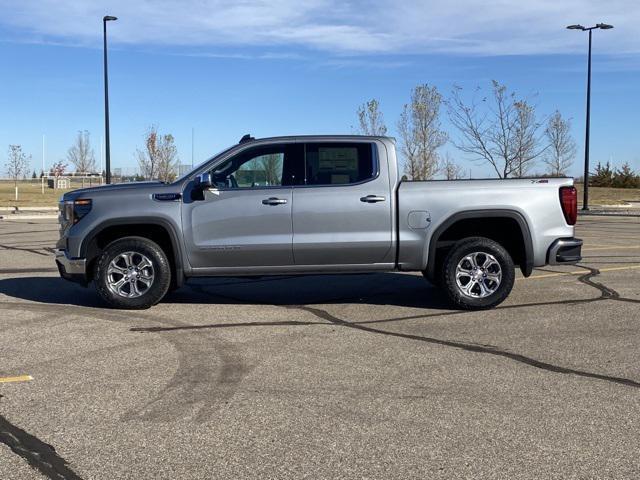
{"x": 30, "y": 194}
{"x": 609, "y": 196}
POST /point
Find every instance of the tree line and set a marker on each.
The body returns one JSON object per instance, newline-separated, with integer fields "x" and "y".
{"x": 499, "y": 129}
{"x": 622, "y": 177}
{"x": 157, "y": 160}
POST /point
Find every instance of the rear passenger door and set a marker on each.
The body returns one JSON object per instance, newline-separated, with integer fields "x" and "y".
{"x": 342, "y": 212}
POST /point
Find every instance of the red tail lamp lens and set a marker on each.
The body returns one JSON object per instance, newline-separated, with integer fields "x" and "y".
{"x": 569, "y": 203}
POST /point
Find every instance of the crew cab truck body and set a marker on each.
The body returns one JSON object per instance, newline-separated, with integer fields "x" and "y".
{"x": 314, "y": 204}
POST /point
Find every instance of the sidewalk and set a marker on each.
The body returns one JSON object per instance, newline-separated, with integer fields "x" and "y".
{"x": 627, "y": 209}
{"x": 610, "y": 212}
{"x": 28, "y": 213}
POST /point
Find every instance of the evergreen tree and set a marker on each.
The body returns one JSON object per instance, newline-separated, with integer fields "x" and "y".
{"x": 625, "y": 177}
{"x": 602, "y": 177}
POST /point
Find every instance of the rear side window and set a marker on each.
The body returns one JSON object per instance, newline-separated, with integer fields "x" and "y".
{"x": 339, "y": 163}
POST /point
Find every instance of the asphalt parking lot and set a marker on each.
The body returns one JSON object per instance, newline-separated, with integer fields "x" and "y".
{"x": 356, "y": 376}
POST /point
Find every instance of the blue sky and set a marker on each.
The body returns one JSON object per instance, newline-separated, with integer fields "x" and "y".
{"x": 281, "y": 67}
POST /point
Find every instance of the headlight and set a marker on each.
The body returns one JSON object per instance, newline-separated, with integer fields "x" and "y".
{"x": 74, "y": 210}
{"x": 80, "y": 209}
{"x": 67, "y": 211}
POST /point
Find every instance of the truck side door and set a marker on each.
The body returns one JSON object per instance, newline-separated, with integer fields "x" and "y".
{"x": 244, "y": 220}
{"x": 342, "y": 213}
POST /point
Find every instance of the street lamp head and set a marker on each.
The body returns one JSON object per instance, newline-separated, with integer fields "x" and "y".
{"x": 576, "y": 27}
{"x": 108, "y": 18}
{"x": 604, "y": 26}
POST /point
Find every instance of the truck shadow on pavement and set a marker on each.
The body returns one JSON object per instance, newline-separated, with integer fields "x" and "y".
{"x": 375, "y": 288}
{"x": 307, "y": 293}
{"x": 51, "y": 290}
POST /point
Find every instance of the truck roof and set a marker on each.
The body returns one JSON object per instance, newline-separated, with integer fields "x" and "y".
{"x": 248, "y": 138}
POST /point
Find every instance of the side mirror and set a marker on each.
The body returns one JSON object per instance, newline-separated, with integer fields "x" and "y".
{"x": 203, "y": 181}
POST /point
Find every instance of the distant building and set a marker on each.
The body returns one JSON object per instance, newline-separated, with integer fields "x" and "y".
{"x": 184, "y": 168}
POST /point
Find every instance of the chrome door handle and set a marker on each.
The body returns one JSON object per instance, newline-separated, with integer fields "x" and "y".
{"x": 372, "y": 199}
{"x": 274, "y": 201}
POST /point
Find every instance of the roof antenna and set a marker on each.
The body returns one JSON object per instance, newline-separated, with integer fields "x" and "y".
{"x": 246, "y": 138}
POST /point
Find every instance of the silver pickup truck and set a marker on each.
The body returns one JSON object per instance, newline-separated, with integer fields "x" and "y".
{"x": 314, "y": 205}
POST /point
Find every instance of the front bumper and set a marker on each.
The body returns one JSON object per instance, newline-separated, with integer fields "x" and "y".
{"x": 565, "y": 251}
{"x": 73, "y": 269}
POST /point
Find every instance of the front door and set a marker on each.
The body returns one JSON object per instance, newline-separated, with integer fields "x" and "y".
{"x": 342, "y": 213}
{"x": 244, "y": 220}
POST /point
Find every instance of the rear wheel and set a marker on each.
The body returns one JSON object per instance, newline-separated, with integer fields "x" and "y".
{"x": 478, "y": 273}
{"x": 133, "y": 273}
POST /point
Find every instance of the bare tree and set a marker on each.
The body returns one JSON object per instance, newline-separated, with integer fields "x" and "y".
{"x": 159, "y": 159}
{"x": 562, "y": 148}
{"x": 504, "y": 133}
{"x": 371, "y": 119}
{"x": 272, "y": 166}
{"x": 17, "y": 163}
{"x": 81, "y": 155}
{"x": 528, "y": 144}
{"x": 168, "y": 165}
{"x": 420, "y": 133}
{"x": 58, "y": 169}
{"x": 451, "y": 170}
{"x": 148, "y": 158}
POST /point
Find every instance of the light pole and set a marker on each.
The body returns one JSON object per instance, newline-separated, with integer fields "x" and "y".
{"x": 602, "y": 26}
{"x": 107, "y": 152}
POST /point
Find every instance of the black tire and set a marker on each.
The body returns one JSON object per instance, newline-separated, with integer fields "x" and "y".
{"x": 161, "y": 273}
{"x": 496, "y": 292}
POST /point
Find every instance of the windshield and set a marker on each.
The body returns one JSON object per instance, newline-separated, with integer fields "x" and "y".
{"x": 222, "y": 152}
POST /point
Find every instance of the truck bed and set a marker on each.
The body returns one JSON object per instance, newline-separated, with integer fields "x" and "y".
{"x": 425, "y": 206}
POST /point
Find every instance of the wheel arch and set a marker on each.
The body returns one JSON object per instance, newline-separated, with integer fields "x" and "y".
{"x": 481, "y": 221}
{"x": 158, "y": 230}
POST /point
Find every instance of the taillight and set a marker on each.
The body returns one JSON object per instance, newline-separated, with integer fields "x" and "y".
{"x": 569, "y": 203}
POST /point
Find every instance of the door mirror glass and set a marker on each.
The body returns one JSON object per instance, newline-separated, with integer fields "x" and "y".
{"x": 203, "y": 181}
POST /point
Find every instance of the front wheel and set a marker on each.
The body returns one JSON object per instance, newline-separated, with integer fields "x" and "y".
{"x": 477, "y": 274}
{"x": 132, "y": 273}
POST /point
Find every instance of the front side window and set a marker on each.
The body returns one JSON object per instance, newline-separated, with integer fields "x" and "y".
{"x": 269, "y": 166}
{"x": 261, "y": 171}
{"x": 338, "y": 163}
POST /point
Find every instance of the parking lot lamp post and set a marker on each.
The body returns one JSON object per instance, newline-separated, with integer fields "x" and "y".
{"x": 602, "y": 26}
{"x": 107, "y": 152}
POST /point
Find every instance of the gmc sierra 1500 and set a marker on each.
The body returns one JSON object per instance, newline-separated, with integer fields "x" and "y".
{"x": 316, "y": 204}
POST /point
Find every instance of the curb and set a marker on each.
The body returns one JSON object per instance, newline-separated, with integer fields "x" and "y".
{"x": 28, "y": 217}
{"x": 15, "y": 209}
{"x": 609, "y": 213}
{"x": 36, "y": 209}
